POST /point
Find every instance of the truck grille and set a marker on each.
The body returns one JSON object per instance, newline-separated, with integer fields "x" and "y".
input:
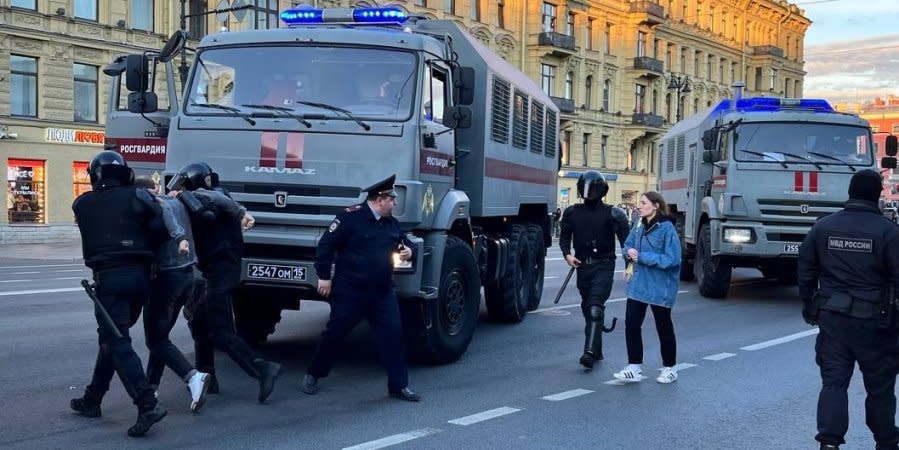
{"x": 293, "y": 209}
{"x": 302, "y": 191}
{"x": 284, "y": 252}
{"x": 785, "y": 237}
{"x": 808, "y": 210}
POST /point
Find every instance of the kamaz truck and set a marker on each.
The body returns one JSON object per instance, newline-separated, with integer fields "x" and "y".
{"x": 296, "y": 120}
{"x": 747, "y": 179}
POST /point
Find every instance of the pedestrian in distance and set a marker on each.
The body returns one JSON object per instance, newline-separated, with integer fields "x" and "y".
{"x": 362, "y": 243}
{"x": 848, "y": 274}
{"x": 590, "y": 229}
{"x": 171, "y": 284}
{"x": 121, "y": 227}
{"x": 653, "y": 256}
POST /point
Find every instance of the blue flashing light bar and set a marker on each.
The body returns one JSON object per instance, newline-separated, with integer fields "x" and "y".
{"x": 307, "y": 15}
{"x": 777, "y": 104}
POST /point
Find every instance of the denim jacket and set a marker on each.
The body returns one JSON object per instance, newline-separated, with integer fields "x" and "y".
{"x": 656, "y": 275}
{"x": 178, "y": 222}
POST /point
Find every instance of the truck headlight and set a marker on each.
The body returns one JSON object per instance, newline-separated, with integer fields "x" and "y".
{"x": 738, "y": 235}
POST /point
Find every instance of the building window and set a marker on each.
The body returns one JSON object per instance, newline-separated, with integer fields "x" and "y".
{"x": 669, "y": 57}
{"x": 81, "y": 180}
{"x": 86, "y": 9}
{"x": 449, "y": 6}
{"x": 142, "y": 15}
{"x": 25, "y": 198}
{"x": 608, "y": 38}
{"x": 773, "y": 78}
{"x": 501, "y": 13}
{"x": 708, "y": 67}
{"x": 589, "y": 34}
{"x": 547, "y": 78}
{"x": 656, "y": 43}
{"x": 786, "y": 92}
{"x": 26, "y": 4}
{"x": 265, "y": 14}
{"x": 606, "y": 95}
{"x": 631, "y": 163}
{"x": 23, "y": 86}
{"x": 570, "y": 24}
{"x": 683, "y": 60}
{"x": 569, "y": 85}
{"x": 696, "y": 56}
{"x": 196, "y": 26}
{"x": 758, "y": 78}
{"x": 588, "y": 91}
{"x": 721, "y": 70}
{"x": 603, "y": 150}
{"x": 641, "y": 44}
{"x": 655, "y": 102}
{"x": 549, "y": 17}
{"x": 668, "y": 107}
{"x": 566, "y": 148}
{"x": 586, "y": 149}
{"x": 733, "y": 72}
{"x": 695, "y": 105}
{"x": 85, "y": 92}
{"x": 797, "y": 89}
{"x": 476, "y": 10}
{"x": 639, "y": 98}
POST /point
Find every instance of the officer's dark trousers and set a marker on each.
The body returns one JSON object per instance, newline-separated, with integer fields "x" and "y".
{"x": 594, "y": 282}
{"x": 122, "y": 291}
{"x": 349, "y": 305}
{"x": 204, "y": 350}
{"x": 222, "y": 277}
{"x": 841, "y": 343}
{"x": 170, "y": 291}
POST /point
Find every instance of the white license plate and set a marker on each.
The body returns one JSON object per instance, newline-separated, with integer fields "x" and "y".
{"x": 276, "y": 272}
{"x": 791, "y": 248}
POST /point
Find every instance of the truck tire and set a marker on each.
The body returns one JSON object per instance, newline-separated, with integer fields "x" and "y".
{"x": 686, "y": 264}
{"x": 254, "y": 320}
{"x": 539, "y": 246}
{"x": 507, "y": 298}
{"x": 452, "y": 316}
{"x": 713, "y": 276}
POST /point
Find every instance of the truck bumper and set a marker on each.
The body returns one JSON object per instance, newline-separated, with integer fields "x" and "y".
{"x": 768, "y": 241}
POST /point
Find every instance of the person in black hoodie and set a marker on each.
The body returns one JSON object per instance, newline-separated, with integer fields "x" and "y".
{"x": 848, "y": 275}
{"x": 218, "y": 223}
{"x": 592, "y": 227}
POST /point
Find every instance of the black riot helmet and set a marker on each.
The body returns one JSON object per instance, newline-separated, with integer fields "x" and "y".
{"x": 591, "y": 185}
{"x": 109, "y": 165}
{"x": 194, "y": 176}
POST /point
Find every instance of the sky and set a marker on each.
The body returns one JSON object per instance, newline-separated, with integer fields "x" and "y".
{"x": 851, "y": 49}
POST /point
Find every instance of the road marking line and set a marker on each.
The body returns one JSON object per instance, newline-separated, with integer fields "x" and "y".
{"x": 555, "y": 259}
{"x": 719, "y": 356}
{"x": 617, "y": 382}
{"x": 781, "y": 340}
{"x": 68, "y": 278}
{"x": 681, "y": 366}
{"x": 567, "y": 394}
{"x": 35, "y": 267}
{"x": 549, "y": 278}
{"x": 394, "y": 440}
{"x": 72, "y": 270}
{"x": 23, "y": 273}
{"x": 40, "y": 291}
{"x": 13, "y": 281}
{"x": 482, "y": 416}
{"x": 576, "y": 305}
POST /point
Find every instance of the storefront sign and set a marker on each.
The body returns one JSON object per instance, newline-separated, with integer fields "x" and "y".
{"x": 69, "y": 136}
{"x": 140, "y": 150}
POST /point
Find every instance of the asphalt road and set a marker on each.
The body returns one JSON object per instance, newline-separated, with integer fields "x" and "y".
{"x": 748, "y": 380}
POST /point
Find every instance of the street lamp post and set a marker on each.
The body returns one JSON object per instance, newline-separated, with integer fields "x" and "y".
{"x": 680, "y": 84}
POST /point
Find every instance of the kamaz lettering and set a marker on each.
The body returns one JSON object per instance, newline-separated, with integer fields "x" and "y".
{"x": 284, "y": 170}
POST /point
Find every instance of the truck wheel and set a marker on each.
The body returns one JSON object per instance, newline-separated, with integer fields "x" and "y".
{"x": 713, "y": 276}
{"x": 507, "y": 298}
{"x": 686, "y": 265}
{"x": 452, "y": 316}
{"x": 539, "y": 246}
{"x": 254, "y": 321}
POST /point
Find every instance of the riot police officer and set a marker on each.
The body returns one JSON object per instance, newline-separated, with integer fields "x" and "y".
{"x": 848, "y": 270}
{"x": 592, "y": 227}
{"x": 363, "y": 240}
{"x": 217, "y": 221}
{"x": 120, "y": 226}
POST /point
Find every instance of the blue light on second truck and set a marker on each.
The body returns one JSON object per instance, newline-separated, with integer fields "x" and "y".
{"x": 306, "y": 15}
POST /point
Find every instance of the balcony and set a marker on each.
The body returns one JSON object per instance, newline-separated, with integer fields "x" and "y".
{"x": 562, "y": 44}
{"x": 648, "y": 66}
{"x": 648, "y": 12}
{"x": 768, "y": 50}
{"x": 565, "y": 105}
{"x": 648, "y": 120}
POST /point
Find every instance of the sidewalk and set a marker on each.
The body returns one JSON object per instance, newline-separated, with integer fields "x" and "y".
{"x": 69, "y": 251}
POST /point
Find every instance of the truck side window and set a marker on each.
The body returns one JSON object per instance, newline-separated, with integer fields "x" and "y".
{"x": 158, "y": 85}
{"x": 724, "y": 146}
{"x": 433, "y": 99}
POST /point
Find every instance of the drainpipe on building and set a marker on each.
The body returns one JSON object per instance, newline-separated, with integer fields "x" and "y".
{"x": 524, "y": 35}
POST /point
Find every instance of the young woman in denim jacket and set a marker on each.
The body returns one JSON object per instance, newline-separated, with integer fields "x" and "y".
{"x": 653, "y": 253}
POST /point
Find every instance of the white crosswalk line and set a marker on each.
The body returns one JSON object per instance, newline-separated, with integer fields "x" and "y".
{"x": 40, "y": 291}
{"x": 482, "y": 416}
{"x": 394, "y": 439}
{"x": 567, "y": 394}
{"x": 781, "y": 340}
{"x": 719, "y": 356}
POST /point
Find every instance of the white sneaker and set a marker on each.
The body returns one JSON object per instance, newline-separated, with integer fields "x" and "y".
{"x": 668, "y": 375}
{"x": 630, "y": 374}
{"x": 197, "y": 386}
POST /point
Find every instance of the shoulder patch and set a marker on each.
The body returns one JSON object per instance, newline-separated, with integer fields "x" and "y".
{"x": 353, "y": 208}
{"x": 334, "y": 225}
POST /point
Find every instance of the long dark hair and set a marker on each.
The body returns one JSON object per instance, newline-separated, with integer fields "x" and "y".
{"x": 655, "y": 197}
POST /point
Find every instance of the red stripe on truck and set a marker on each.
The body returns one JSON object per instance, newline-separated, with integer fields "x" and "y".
{"x": 675, "y": 184}
{"x": 268, "y": 152}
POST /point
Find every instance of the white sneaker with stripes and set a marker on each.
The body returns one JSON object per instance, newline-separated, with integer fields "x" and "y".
{"x": 668, "y": 375}
{"x": 630, "y": 374}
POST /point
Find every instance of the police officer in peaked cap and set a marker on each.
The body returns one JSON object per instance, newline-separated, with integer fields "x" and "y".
{"x": 848, "y": 274}
{"x": 361, "y": 243}
{"x": 591, "y": 228}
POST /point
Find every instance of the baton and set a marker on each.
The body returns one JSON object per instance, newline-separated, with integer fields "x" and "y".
{"x": 104, "y": 315}
{"x": 564, "y": 285}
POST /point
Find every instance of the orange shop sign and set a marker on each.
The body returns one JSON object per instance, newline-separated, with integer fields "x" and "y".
{"x": 69, "y": 136}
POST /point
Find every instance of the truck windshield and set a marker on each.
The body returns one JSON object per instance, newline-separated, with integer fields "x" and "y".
{"x": 822, "y": 143}
{"x": 373, "y": 84}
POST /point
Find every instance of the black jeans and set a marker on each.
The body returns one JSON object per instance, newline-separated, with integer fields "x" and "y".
{"x": 122, "y": 291}
{"x": 633, "y": 322}
{"x": 594, "y": 282}
{"x": 841, "y": 343}
{"x": 349, "y": 305}
{"x": 170, "y": 291}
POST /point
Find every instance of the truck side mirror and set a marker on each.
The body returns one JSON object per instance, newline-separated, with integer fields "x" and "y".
{"x": 142, "y": 102}
{"x": 137, "y": 73}
{"x": 888, "y": 162}
{"x": 463, "y": 85}
{"x": 892, "y": 145}
{"x": 709, "y": 138}
{"x": 709, "y": 156}
{"x": 173, "y": 46}
{"x": 457, "y": 117}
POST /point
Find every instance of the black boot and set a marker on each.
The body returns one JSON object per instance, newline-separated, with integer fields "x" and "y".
{"x": 268, "y": 373}
{"x": 146, "y": 419}
{"x": 86, "y": 406}
{"x": 830, "y": 447}
{"x": 310, "y": 385}
{"x": 593, "y": 338}
{"x": 213, "y": 383}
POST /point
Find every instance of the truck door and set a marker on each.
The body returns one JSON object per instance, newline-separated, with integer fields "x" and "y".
{"x": 141, "y": 139}
{"x": 694, "y": 196}
{"x": 437, "y": 140}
